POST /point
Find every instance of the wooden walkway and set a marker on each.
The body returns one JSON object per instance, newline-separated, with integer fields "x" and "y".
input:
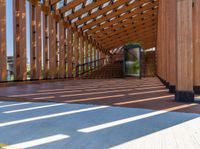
{"x": 147, "y": 93}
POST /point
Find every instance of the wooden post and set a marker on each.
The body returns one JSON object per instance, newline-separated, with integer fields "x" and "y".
{"x": 95, "y": 57}
{"x": 57, "y": 50}
{"x": 76, "y": 52}
{"x": 45, "y": 45}
{"x": 86, "y": 54}
{"x": 70, "y": 51}
{"x": 3, "y": 59}
{"x": 19, "y": 42}
{"x": 62, "y": 53}
{"x": 196, "y": 31}
{"x": 82, "y": 52}
{"x": 35, "y": 42}
{"x": 91, "y": 54}
{"x": 171, "y": 24}
{"x": 52, "y": 47}
{"x": 39, "y": 43}
{"x": 98, "y": 57}
{"x": 184, "y": 90}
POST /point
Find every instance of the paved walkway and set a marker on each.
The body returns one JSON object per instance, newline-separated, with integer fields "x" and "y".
{"x": 147, "y": 93}
{"x": 79, "y": 126}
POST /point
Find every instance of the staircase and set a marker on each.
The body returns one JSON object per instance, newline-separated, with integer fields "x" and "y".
{"x": 112, "y": 70}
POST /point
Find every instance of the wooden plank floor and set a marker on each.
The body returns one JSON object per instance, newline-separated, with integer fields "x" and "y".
{"x": 147, "y": 93}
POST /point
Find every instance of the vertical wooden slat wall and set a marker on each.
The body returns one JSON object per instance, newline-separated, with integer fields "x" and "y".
{"x": 196, "y": 42}
{"x": 19, "y": 42}
{"x": 3, "y": 63}
{"x": 184, "y": 51}
{"x": 62, "y": 52}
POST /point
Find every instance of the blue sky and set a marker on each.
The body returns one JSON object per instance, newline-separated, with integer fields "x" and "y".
{"x": 9, "y": 16}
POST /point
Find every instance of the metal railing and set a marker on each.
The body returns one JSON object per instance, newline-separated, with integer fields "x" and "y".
{"x": 82, "y": 69}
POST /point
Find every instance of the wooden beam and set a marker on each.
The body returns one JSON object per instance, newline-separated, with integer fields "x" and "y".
{"x": 184, "y": 90}
{"x": 135, "y": 5}
{"x": 3, "y": 59}
{"x": 19, "y": 42}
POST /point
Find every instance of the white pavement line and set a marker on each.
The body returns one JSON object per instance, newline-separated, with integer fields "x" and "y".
{"x": 34, "y": 108}
{"x": 16, "y": 104}
{"x": 50, "y": 116}
{"x": 38, "y": 142}
{"x": 130, "y": 119}
{"x": 94, "y": 93}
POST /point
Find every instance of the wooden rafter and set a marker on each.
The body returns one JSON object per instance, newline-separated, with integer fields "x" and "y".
{"x": 104, "y": 21}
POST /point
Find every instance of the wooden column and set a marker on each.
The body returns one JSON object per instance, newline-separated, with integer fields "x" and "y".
{"x": 70, "y": 51}
{"x": 19, "y": 42}
{"x": 62, "y": 52}
{"x": 86, "y": 54}
{"x": 45, "y": 45}
{"x": 52, "y": 47}
{"x": 82, "y": 52}
{"x": 35, "y": 42}
{"x": 98, "y": 57}
{"x": 76, "y": 48}
{"x": 91, "y": 54}
{"x": 3, "y": 60}
{"x": 95, "y": 56}
{"x": 184, "y": 90}
{"x": 196, "y": 31}
{"x": 39, "y": 43}
{"x": 57, "y": 50}
{"x": 171, "y": 24}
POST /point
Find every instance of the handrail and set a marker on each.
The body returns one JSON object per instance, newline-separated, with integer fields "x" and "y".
{"x": 90, "y": 66}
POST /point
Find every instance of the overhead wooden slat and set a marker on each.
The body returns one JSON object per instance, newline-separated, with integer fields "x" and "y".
{"x": 104, "y": 20}
{"x": 70, "y": 5}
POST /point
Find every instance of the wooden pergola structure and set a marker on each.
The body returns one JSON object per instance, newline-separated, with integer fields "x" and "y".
{"x": 68, "y": 32}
